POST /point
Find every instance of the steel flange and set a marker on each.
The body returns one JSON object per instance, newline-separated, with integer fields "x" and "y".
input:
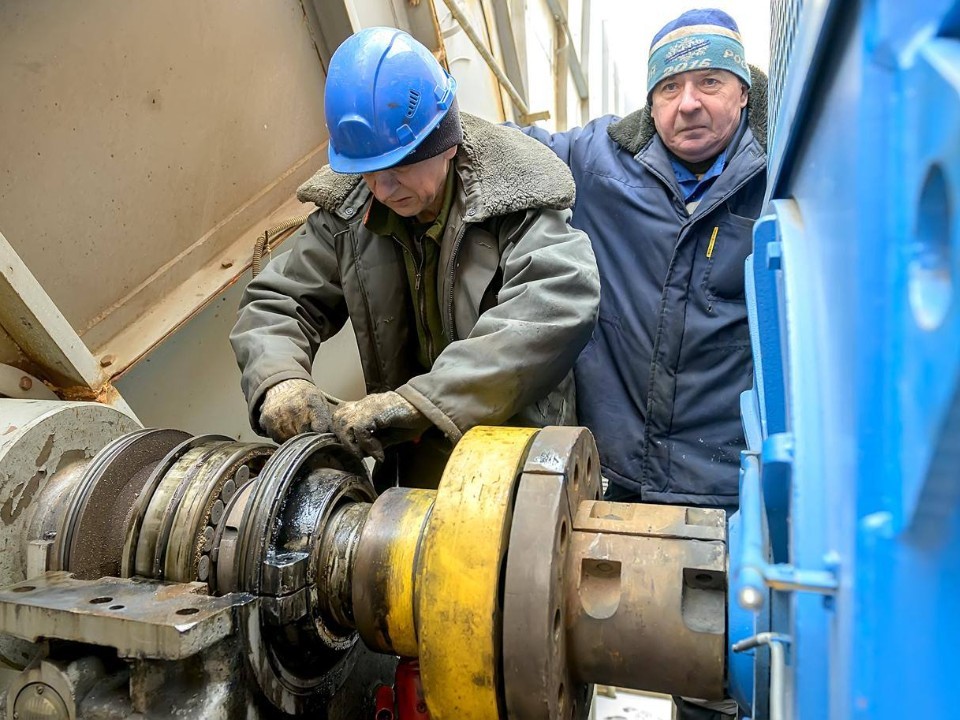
{"x": 562, "y": 469}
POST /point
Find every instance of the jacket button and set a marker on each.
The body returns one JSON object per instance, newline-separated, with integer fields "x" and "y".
{"x": 472, "y": 211}
{"x": 349, "y": 211}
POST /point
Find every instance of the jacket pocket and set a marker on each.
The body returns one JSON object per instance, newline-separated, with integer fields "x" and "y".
{"x": 727, "y": 248}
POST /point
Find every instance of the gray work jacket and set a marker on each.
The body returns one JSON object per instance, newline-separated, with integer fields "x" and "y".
{"x": 518, "y": 287}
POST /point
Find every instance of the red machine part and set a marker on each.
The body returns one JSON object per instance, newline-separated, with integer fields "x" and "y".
{"x": 403, "y": 701}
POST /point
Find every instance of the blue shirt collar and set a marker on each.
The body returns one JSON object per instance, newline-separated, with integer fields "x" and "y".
{"x": 692, "y": 187}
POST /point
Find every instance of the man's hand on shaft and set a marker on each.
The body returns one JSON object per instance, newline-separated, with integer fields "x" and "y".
{"x": 292, "y": 407}
{"x": 369, "y": 425}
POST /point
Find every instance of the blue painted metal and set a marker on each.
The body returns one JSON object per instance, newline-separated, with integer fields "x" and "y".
{"x": 848, "y": 528}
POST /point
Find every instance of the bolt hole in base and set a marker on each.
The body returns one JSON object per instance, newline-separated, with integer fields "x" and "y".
{"x": 101, "y": 600}
{"x": 930, "y": 268}
{"x": 188, "y": 611}
{"x": 24, "y": 588}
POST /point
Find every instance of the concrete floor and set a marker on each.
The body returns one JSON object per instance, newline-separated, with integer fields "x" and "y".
{"x": 618, "y": 704}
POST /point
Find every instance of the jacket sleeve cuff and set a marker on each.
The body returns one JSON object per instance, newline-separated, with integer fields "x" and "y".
{"x": 431, "y": 411}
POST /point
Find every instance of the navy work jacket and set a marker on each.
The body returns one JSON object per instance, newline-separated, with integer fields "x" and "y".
{"x": 659, "y": 381}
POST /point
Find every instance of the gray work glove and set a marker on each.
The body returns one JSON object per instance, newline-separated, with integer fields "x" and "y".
{"x": 292, "y": 407}
{"x": 367, "y": 426}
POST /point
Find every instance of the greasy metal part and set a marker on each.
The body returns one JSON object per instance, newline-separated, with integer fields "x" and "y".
{"x": 141, "y": 619}
{"x": 159, "y": 500}
{"x": 55, "y": 687}
{"x": 139, "y": 510}
{"x": 646, "y": 588}
{"x": 337, "y": 548}
{"x": 561, "y": 471}
{"x": 223, "y": 578}
{"x": 182, "y": 514}
{"x": 93, "y": 538}
{"x": 385, "y": 570}
{"x": 44, "y": 446}
{"x": 298, "y": 659}
{"x": 460, "y": 571}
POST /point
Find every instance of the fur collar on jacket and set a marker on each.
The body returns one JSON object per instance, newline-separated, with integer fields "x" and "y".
{"x": 502, "y": 171}
{"x": 633, "y": 132}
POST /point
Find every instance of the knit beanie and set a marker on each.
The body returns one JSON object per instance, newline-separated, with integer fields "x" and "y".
{"x": 443, "y": 137}
{"x": 697, "y": 40}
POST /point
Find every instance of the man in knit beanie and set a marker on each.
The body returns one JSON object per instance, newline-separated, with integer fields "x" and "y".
{"x": 444, "y": 240}
{"x": 668, "y": 195}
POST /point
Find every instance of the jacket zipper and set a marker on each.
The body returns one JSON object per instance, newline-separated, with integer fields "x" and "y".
{"x": 366, "y": 304}
{"x": 453, "y": 270}
{"x": 421, "y": 301}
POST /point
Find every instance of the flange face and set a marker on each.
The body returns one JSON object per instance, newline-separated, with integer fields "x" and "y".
{"x": 459, "y": 607}
{"x": 561, "y": 468}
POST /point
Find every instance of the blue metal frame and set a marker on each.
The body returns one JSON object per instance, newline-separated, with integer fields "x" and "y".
{"x": 846, "y": 549}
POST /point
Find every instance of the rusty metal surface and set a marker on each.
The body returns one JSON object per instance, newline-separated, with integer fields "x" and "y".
{"x": 31, "y": 318}
{"x": 20, "y": 385}
{"x": 648, "y": 598}
{"x": 141, "y": 619}
{"x": 93, "y": 539}
{"x": 561, "y": 470}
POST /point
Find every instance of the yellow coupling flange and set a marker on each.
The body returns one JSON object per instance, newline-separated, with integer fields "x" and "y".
{"x": 385, "y": 570}
{"x": 463, "y": 553}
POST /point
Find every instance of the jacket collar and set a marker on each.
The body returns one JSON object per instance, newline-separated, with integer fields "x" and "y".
{"x": 501, "y": 171}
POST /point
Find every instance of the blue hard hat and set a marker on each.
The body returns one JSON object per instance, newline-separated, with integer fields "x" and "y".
{"x": 385, "y": 92}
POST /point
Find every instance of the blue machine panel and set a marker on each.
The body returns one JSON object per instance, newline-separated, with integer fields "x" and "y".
{"x": 846, "y": 551}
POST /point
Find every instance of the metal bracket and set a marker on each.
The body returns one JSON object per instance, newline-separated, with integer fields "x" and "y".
{"x": 755, "y": 574}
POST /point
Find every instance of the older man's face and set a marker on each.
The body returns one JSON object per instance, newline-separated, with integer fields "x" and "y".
{"x": 697, "y": 112}
{"x": 414, "y": 190}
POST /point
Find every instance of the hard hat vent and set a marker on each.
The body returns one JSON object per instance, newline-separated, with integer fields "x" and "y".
{"x": 413, "y": 101}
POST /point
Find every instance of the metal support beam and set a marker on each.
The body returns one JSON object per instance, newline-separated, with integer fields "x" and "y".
{"x": 461, "y": 17}
{"x": 508, "y": 45}
{"x": 585, "y": 55}
{"x": 561, "y": 68}
{"x": 579, "y": 79}
{"x": 333, "y": 30}
{"x": 36, "y": 325}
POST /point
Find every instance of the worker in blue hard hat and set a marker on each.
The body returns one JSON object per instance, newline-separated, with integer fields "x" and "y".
{"x": 669, "y": 195}
{"x": 444, "y": 240}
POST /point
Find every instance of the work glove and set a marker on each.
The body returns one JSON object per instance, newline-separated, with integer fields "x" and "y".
{"x": 367, "y": 426}
{"x": 292, "y": 407}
